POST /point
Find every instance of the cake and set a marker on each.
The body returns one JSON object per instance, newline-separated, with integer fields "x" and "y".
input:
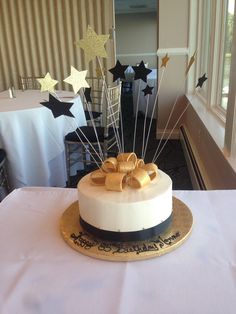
{"x": 124, "y": 210}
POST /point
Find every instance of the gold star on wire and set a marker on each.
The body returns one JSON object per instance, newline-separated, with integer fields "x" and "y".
{"x": 47, "y": 83}
{"x": 93, "y": 45}
{"x": 191, "y": 61}
{"x": 77, "y": 79}
{"x": 165, "y": 60}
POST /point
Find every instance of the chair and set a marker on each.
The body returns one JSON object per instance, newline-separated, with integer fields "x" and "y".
{"x": 107, "y": 134}
{"x": 29, "y": 83}
{"x": 4, "y": 187}
{"x": 94, "y": 96}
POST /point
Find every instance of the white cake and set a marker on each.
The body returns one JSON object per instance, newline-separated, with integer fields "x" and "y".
{"x": 132, "y": 210}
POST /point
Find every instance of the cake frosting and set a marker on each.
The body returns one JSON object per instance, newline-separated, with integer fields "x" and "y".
{"x": 129, "y": 211}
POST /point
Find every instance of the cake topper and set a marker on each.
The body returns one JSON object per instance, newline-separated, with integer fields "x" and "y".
{"x": 47, "y": 83}
{"x": 58, "y": 107}
{"x": 147, "y": 90}
{"x": 141, "y": 72}
{"x": 93, "y": 45}
{"x": 164, "y": 61}
{"x": 77, "y": 79}
{"x": 191, "y": 61}
{"x": 118, "y": 71}
{"x": 157, "y": 153}
{"x": 201, "y": 80}
{"x": 125, "y": 169}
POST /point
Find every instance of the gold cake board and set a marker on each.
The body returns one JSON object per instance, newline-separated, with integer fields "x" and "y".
{"x": 85, "y": 243}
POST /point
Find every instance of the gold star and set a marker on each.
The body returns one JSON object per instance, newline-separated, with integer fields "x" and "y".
{"x": 93, "y": 45}
{"x": 77, "y": 79}
{"x": 191, "y": 61}
{"x": 47, "y": 83}
{"x": 164, "y": 61}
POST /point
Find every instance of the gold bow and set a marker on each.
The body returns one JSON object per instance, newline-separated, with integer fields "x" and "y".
{"x": 126, "y": 169}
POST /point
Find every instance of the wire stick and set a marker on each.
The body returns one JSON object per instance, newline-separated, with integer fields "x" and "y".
{"x": 90, "y": 144}
{"x": 144, "y": 125}
{"x": 169, "y": 117}
{"x": 122, "y": 132}
{"x": 88, "y": 151}
{"x": 136, "y": 116}
{"x": 192, "y": 59}
{"x": 157, "y": 155}
{"x": 153, "y": 110}
{"x": 93, "y": 124}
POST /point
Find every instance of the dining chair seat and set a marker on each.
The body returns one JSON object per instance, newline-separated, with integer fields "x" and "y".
{"x": 92, "y": 114}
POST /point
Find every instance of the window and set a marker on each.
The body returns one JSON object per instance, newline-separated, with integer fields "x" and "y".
{"x": 215, "y": 33}
{"x": 227, "y": 53}
{"x": 203, "y": 49}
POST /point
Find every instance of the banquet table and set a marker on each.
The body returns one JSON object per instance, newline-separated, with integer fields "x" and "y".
{"x": 34, "y": 139}
{"x": 147, "y": 101}
{"x": 40, "y": 273}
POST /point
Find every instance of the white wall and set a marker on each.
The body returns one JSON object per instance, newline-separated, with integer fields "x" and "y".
{"x": 173, "y": 39}
{"x": 136, "y": 35}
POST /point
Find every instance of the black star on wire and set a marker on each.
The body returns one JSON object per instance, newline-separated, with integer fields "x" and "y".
{"x": 201, "y": 80}
{"x": 118, "y": 71}
{"x": 147, "y": 90}
{"x": 141, "y": 72}
{"x": 58, "y": 107}
{"x": 87, "y": 94}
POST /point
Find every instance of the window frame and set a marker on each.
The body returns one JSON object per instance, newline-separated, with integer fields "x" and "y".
{"x": 214, "y": 71}
{"x": 215, "y": 57}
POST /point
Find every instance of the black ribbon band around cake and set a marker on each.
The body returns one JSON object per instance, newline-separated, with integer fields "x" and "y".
{"x": 127, "y": 236}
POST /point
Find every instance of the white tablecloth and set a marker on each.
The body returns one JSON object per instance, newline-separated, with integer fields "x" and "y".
{"x": 40, "y": 273}
{"x": 34, "y": 139}
{"x": 143, "y": 101}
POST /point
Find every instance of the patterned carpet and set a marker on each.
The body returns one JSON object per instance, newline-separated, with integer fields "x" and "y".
{"x": 171, "y": 159}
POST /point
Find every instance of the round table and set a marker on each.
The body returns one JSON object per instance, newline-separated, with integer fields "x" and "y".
{"x": 34, "y": 139}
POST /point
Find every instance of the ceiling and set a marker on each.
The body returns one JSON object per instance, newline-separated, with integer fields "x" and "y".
{"x": 135, "y": 6}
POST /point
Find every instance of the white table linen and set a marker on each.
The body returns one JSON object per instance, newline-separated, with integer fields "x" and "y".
{"x": 34, "y": 139}
{"x": 138, "y": 95}
{"x": 40, "y": 273}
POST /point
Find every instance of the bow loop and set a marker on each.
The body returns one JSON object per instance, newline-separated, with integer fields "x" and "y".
{"x": 126, "y": 169}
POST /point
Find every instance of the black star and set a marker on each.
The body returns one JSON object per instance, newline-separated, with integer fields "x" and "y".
{"x": 201, "y": 80}
{"x": 118, "y": 71}
{"x": 58, "y": 107}
{"x": 147, "y": 90}
{"x": 141, "y": 72}
{"x": 87, "y": 94}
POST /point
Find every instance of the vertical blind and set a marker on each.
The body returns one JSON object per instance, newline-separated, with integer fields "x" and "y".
{"x": 39, "y": 36}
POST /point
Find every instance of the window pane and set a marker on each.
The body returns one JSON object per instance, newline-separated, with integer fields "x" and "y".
{"x": 205, "y": 39}
{"x": 227, "y": 53}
